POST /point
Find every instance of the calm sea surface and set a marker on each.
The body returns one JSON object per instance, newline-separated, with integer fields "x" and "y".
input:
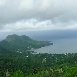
{"x": 60, "y": 46}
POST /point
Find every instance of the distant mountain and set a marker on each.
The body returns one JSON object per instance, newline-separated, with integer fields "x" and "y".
{"x": 15, "y": 43}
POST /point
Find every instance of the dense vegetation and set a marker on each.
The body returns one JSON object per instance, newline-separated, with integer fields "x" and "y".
{"x": 17, "y": 61}
{"x": 38, "y": 65}
{"x": 14, "y": 43}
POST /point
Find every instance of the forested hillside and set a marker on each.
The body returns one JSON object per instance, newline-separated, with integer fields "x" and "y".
{"x": 17, "y": 61}
{"x": 14, "y": 43}
{"x": 38, "y": 65}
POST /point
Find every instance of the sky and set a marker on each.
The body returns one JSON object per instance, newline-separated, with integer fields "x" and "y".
{"x": 37, "y": 15}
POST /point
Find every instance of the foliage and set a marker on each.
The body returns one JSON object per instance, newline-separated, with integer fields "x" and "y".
{"x": 56, "y": 65}
{"x": 18, "y": 74}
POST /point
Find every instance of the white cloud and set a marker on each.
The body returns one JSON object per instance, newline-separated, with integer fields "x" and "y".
{"x": 36, "y": 25}
{"x": 2, "y": 2}
{"x": 37, "y": 14}
{"x": 26, "y": 4}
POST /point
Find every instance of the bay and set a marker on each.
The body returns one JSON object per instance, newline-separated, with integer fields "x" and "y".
{"x": 61, "y": 46}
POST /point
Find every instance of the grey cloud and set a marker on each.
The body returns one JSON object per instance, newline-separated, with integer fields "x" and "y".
{"x": 61, "y": 10}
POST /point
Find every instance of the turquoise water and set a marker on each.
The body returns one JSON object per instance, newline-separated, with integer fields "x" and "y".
{"x": 60, "y": 46}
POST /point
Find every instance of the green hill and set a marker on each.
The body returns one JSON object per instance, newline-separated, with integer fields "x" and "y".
{"x": 20, "y": 43}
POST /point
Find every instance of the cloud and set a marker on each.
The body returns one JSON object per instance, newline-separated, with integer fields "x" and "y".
{"x": 37, "y": 15}
{"x": 36, "y": 25}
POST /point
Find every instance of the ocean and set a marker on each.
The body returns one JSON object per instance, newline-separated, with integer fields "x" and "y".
{"x": 60, "y": 46}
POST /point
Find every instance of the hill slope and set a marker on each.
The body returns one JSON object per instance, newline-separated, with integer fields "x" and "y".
{"x": 15, "y": 43}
